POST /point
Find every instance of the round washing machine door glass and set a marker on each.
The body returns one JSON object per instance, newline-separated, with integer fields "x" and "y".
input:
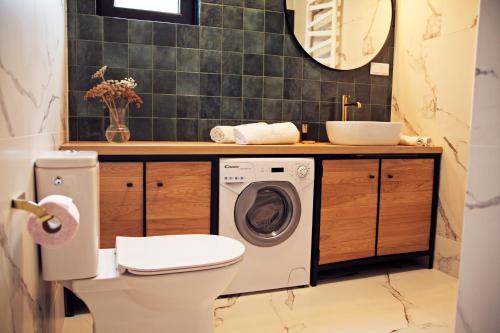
{"x": 267, "y": 213}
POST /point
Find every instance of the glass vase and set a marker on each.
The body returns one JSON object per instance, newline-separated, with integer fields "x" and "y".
{"x": 117, "y": 130}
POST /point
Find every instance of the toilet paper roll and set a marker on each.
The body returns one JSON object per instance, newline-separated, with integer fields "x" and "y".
{"x": 64, "y": 224}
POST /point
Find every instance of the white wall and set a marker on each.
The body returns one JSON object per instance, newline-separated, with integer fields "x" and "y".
{"x": 32, "y": 118}
{"x": 479, "y": 291}
{"x": 432, "y": 94}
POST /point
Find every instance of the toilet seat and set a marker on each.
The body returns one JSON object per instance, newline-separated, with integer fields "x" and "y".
{"x": 157, "y": 255}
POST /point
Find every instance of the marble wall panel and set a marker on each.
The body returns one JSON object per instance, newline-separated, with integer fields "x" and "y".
{"x": 432, "y": 95}
{"x": 479, "y": 290}
{"x": 32, "y": 120}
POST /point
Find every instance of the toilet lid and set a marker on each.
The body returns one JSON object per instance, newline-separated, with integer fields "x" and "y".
{"x": 175, "y": 253}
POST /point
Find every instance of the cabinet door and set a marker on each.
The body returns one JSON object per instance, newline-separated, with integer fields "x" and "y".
{"x": 121, "y": 201}
{"x": 178, "y": 198}
{"x": 405, "y": 205}
{"x": 348, "y": 210}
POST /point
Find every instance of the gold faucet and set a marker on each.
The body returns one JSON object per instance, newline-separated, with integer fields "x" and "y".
{"x": 345, "y": 105}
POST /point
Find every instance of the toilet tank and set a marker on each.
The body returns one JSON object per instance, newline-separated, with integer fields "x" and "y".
{"x": 76, "y": 175}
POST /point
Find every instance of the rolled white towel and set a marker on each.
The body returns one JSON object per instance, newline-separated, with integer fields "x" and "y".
{"x": 225, "y": 134}
{"x": 406, "y": 140}
{"x": 281, "y": 133}
{"x": 222, "y": 134}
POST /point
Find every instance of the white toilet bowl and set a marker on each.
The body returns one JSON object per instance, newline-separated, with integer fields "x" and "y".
{"x": 159, "y": 284}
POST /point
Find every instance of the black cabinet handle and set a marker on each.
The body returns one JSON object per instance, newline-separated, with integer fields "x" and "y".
{"x": 390, "y": 176}
{"x": 371, "y": 176}
{"x": 130, "y": 184}
{"x": 159, "y": 184}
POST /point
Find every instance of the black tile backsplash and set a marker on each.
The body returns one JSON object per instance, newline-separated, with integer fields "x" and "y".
{"x": 240, "y": 65}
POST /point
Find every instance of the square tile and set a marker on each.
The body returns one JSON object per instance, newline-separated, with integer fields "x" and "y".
{"x": 274, "y": 44}
{"x": 311, "y": 90}
{"x": 188, "y": 83}
{"x": 232, "y": 40}
{"x": 345, "y": 89}
{"x": 210, "y": 107}
{"x": 210, "y": 38}
{"x": 330, "y": 111}
{"x": 273, "y": 87}
{"x": 211, "y": 15}
{"x": 140, "y": 56}
{"x": 293, "y": 67}
{"x": 232, "y": 62}
{"x": 253, "y": 19}
{"x": 164, "y": 82}
{"x": 379, "y": 95}
{"x": 252, "y": 86}
{"x": 188, "y": 36}
{"x": 187, "y": 129}
{"x": 164, "y": 106}
{"x": 141, "y": 129}
{"x": 232, "y": 17}
{"x": 272, "y": 109}
{"x": 231, "y": 85}
{"x": 310, "y": 111}
{"x": 273, "y": 66}
{"x": 140, "y": 32}
{"x": 292, "y": 89}
{"x": 311, "y": 70}
{"x": 90, "y": 27}
{"x": 90, "y": 128}
{"x": 292, "y": 110}
{"x": 164, "y": 57}
{"x": 259, "y": 4}
{"x": 164, "y": 34}
{"x": 276, "y": 5}
{"x": 210, "y": 61}
{"x": 253, "y": 64}
{"x": 252, "y": 108}
{"x": 254, "y": 42}
{"x": 231, "y": 108}
{"x": 275, "y": 22}
{"x": 188, "y": 106}
{"x": 85, "y": 7}
{"x": 89, "y": 53}
{"x": 210, "y": 84}
{"x": 164, "y": 129}
{"x": 188, "y": 60}
{"x": 115, "y": 30}
{"x": 204, "y": 127}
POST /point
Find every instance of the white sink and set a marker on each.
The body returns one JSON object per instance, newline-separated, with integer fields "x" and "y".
{"x": 363, "y": 133}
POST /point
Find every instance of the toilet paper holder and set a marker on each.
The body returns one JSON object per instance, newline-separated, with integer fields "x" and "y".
{"x": 44, "y": 217}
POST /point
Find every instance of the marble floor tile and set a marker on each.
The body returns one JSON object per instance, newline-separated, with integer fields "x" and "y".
{"x": 417, "y": 300}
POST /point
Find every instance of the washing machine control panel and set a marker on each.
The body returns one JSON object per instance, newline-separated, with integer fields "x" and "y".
{"x": 237, "y": 172}
{"x": 266, "y": 169}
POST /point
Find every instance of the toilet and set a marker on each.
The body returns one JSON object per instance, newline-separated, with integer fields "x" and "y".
{"x": 146, "y": 284}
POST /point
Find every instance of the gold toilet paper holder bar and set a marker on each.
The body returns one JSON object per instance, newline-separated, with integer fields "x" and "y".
{"x": 23, "y": 204}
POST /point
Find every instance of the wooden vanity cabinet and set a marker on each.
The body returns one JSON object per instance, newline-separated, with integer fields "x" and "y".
{"x": 121, "y": 201}
{"x": 406, "y": 188}
{"x": 178, "y": 197}
{"x": 363, "y": 216}
{"x": 348, "y": 210}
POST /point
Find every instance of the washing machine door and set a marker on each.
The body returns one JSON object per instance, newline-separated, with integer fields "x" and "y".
{"x": 267, "y": 213}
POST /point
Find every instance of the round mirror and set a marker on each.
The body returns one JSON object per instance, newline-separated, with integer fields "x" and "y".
{"x": 340, "y": 34}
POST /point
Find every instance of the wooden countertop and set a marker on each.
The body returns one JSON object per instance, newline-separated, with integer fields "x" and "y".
{"x": 210, "y": 148}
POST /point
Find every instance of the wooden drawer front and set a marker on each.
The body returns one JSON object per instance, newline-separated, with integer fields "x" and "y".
{"x": 121, "y": 201}
{"x": 348, "y": 210}
{"x": 178, "y": 198}
{"x": 405, "y": 205}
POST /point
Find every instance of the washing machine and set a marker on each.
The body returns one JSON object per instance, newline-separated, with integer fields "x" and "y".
{"x": 267, "y": 204}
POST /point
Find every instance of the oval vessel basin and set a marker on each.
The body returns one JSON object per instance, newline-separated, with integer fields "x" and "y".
{"x": 363, "y": 133}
